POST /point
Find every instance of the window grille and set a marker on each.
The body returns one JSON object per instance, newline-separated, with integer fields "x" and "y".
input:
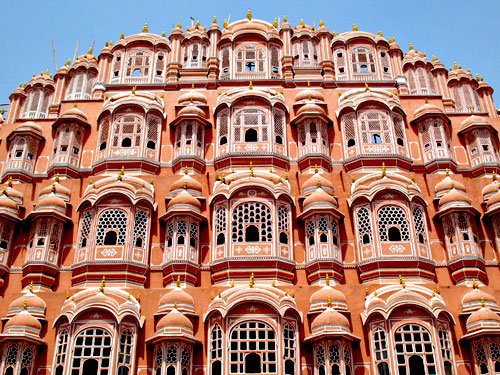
{"x": 92, "y": 344}
{"x": 363, "y": 62}
{"x": 126, "y": 344}
{"x": 334, "y": 353}
{"x": 185, "y": 356}
{"x": 220, "y": 225}
{"x": 275, "y": 63}
{"x": 171, "y": 357}
{"x": 279, "y": 126}
{"x": 380, "y": 343}
{"x": 127, "y": 131}
{"x": 251, "y": 119}
{"x": 153, "y": 130}
{"x": 85, "y": 226}
{"x": 104, "y": 134}
{"x": 364, "y": 226}
{"x": 225, "y": 63}
{"x": 222, "y": 129}
{"x": 138, "y": 65}
{"x": 419, "y": 223}
{"x": 466, "y": 98}
{"x": 170, "y": 233}
{"x": 289, "y": 338}
{"x": 252, "y": 346}
{"x": 392, "y": 217}
{"x": 12, "y": 354}
{"x": 27, "y": 360}
{"x": 140, "y": 228}
{"x": 193, "y": 235}
{"x": 37, "y": 102}
{"x": 80, "y": 86}
{"x": 320, "y": 355}
{"x": 158, "y": 359}
{"x": 444, "y": 341}
{"x": 414, "y": 350}
{"x": 386, "y": 66}
{"x": 112, "y": 220}
{"x": 159, "y": 67}
{"x": 117, "y": 65}
{"x": 349, "y": 127}
{"x": 250, "y": 62}
{"x": 374, "y": 123}
{"x": 399, "y": 129}
{"x": 62, "y": 348}
{"x": 283, "y": 222}
{"x": 252, "y": 214}
{"x": 216, "y": 343}
{"x": 339, "y": 56}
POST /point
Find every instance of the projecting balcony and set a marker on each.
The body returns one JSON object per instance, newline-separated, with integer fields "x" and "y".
{"x": 257, "y": 152}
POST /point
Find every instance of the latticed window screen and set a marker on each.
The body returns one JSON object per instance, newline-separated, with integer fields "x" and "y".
{"x": 216, "y": 343}
{"x": 36, "y": 104}
{"x": 250, "y": 59}
{"x": 251, "y": 118}
{"x": 252, "y": 346}
{"x": 62, "y": 348}
{"x": 414, "y": 349}
{"x": 92, "y": 344}
{"x": 153, "y": 130}
{"x": 279, "y": 126}
{"x": 127, "y": 131}
{"x": 289, "y": 339}
{"x": 445, "y": 343}
{"x": 138, "y": 64}
{"x": 27, "y": 359}
{"x": 305, "y": 53}
{"x": 104, "y": 133}
{"x": 252, "y": 214}
{"x": 363, "y": 61}
{"x": 225, "y": 62}
{"x": 349, "y": 129}
{"x": 160, "y": 64}
{"x": 275, "y": 62}
{"x": 220, "y": 224}
{"x": 80, "y": 86}
{"x": 466, "y": 98}
{"x": 339, "y": 56}
{"x": 158, "y": 359}
{"x": 419, "y": 225}
{"x": 185, "y": 357}
{"x": 320, "y": 355}
{"x": 334, "y": 353}
{"x": 126, "y": 345}
{"x": 283, "y": 223}
{"x": 112, "y": 220}
{"x": 11, "y": 355}
{"x": 386, "y": 66}
{"x": 375, "y": 127}
{"x": 140, "y": 228}
{"x": 390, "y": 217}
{"x": 85, "y": 225}
{"x": 380, "y": 344}
{"x": 171, "y": 355}
{"x": 364, "y": 225}
{"x": 223, "y": 127}
{"x": 399, "y": 129}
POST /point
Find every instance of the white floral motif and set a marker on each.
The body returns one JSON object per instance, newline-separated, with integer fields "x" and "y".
{"x": 109, "y": 252}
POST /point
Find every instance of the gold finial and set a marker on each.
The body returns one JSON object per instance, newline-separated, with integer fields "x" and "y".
{"x": 367, "y": 291}
{"x": 57, "y": 178}
{"x": 327, "y": 280}
{"x": 25, "y": 304}
{"x": 384, "y": 170}
{"x": 482, "y": 302}
{"x": 251, "y": 169}
{"x": 494, "y": 177}
{"x": 252, "y": 280}
{"x": 212, "y": 296}
{"x": 185, "y": 186}
{"x": 273, "y": 283}
{"x": 197, "y": 24}
{"x": 434, "y": 58}
{"x": 163, "y": 34}
{"x": 220, "y": 294}
{"x": 380, "y": 33}
{"x": 410, "y": 46}
{"x": 438, "y": 290}
{"x": 90, "y": 50}
{"x": 474, "y": 284}
{"x": 250, "y": 85}
{"x": 186, "y": 170}
{"x": 111, "y": 43}
{"x": 286, "y": 176}
{"x": 309, "y": 97}
{"x": 318, "y": 183}
{"x": 138, "y": 298}
{"x": 53, "y": 188}
{"x": 329, "y": 301}
{"x": 67, "y": 294}
{"x": 129, "y": 297}
{"x": 292, "y": 294}
{"x": 321, "y": 23}
{"x": 391, "y": 39}
{"x": 447, "y": 172}
{"x": 46, "y": 72}
{"x": 73, "y": 297}
{"x": 232, "y": 283}
{"x": 224, "y": 24}
{"x": 215, "y": 20}
{"x": 426, "y": 100}
{"x": 413, "y": 177}
{"x": 367, "y": 88}
{"x": 30, "y": 287}
{"x": 284, "y": 19}
{"x": 456, "y": 65}
{"x": 134, "y": 89}
{"x": 102, "y": 285}
{"x": 9, "y": 182}
{"x": 334, "y": 33}
{"x": 316, "y": 169}
{"x": 68, "y": 62}
{"x": 121, "y": 173}
{"x": 179, "y": 25}
{"x": 122, "y": 35}
{"x": 275, "y": 23}
{"x": 355, "y": 27}
{"x": 302, "y": 23}
{"x": 402, "y": 281}
{"x": 249, "y": 14}
{"x": 178, "y": 281}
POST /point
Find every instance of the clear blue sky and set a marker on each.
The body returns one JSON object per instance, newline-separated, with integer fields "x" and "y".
{"x": 464, "y": 31}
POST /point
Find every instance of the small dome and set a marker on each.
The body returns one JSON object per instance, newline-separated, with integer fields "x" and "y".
{"x": 473, "y": 300}
{"x": 490, "y": 189}
{"x": 75, "y": 113}
{"x": 483, "y": 317}
{"x": 473, "y": 120}
{"x": 330, "y": 320}
{"x": 175, "y": 320}
{"x": 23, "y": 320}
{"x": 448, "y": 184}
{"x": 494, "y": 200}
{"x": 51, "y": 201}
{"x": 319, "y": 197}
{"x": 311, "y": 108}
{"x": 454, "y": 196}
{"x": 191, "y": 110}
{"x": 310, "y": 94}
{"x": 56, "y": 188}
{"x": 316, "y": 179}
{"x": 186, "y": 182}
{"x": 184, "y": 199}
{"x": 320, "y": 299}
{"x": 30, "y": 126}
{"x": 34, "y": 305}
{"x": 427, "y": 109}
{"x": 192, "y": 96}
{"x": 8, "y": 203}
{"x": 13, "y": 193}
{"x": 178, "y": 298}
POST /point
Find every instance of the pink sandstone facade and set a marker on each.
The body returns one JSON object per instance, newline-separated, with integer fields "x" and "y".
{"x": 250, "y": 198}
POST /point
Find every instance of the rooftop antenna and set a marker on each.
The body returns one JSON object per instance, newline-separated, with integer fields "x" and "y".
{"x": 54, "y": 53}
{"x": 192, "y": 21}
{"x": 76, "y": 49}
{"x": 93, "y": 44}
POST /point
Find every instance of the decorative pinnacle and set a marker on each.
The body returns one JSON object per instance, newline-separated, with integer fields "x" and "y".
{"x": 9, "y": 182}
{"x": 384, "y": 170}
{"x": 215, "y": 20}
{"x": 438, "y": 290}
{"x": 474, "y": 284}
{"x": 494, "y": 177}
{"x": 178, "y": 281}
{"x": 102, "y": 285}
{"x": 90, "y": 50}
{"x": 122, "y": 35}
{"x": 163, "y": 34}
{"x": 186, "y": 170}
{"x": 380, "y": 33}
{"x": 57, "y": 178}
{"x": 275, "y": 23}
{"x": 252, "y": 280}
{"x": 224, "y": 24}
{"x": 410, "y": 46}
{"x": 25, "y": 304}
{"x": 67, "y": 294}
{"x": 482, "y": 302}
{"x": 121, "y": 173}
{"x": 250, "y": 85}
{"x": 30, "y": 287}
{"x": 367, "y": 88}
{"x": 134, "y": 89}
{"x": 367, "y": 291}
{"x": 273, "y": 283}
{"x": 179, "y": 25}
{"x": 391, "y": 39}
{"x": 402, "y": 281}
{"x": 321, "y": 23}
{"x": 355, "y": 27}
{"x": 284, "y": 19}
{"x": 249, "y": 14}
{"x": 302, "y": 23}
{"x": 251, "y": 169}
{"x": 327, "y": 280}
{"x": 329, "y": 301}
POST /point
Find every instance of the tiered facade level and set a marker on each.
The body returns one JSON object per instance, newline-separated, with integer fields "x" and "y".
{"x": 250, "y": 198}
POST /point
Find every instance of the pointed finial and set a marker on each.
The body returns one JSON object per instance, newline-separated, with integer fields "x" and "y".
{"x": 327, "y": 280}
{"x": 232, "y": 283}
{"x": 67, "y": 294}
{"x": 25, "y": 304}
{"x": 249, "y": 14}
{"x": 302, "y": 23}
{"x": 212, "y": 296}
{"x": 438, "y": 290}
{"x": 329, "y": 301}
{"x": 215, "y": 20}
{"x": 367, "y": 88}
{"x": 321, "y": 23}
{"x": 402, "y": 281}
{"x": 138, "y": 298}
{"x": 275, "y": 23}
{"x": 197, "y": 24}
{"x": 129, "y": 297}
{"x": 134, "y": 89}
{"x": 367, "y": 291}
{"x": 384, "y": 170}
{"x": 494, "y": 177}
{"x": 121, "y": 173}
{"x": 250, "y": 85}
{"x": 90, "y": 50}
{"x": 224, "y": 24}
{"x": 273, "y": 283}
{"x": 251, "y": 169}
{"x": 179, "y": 25}
{"x": 380, "y": 33}
{"x": 318, "y": 183}
{"x": 163, "y": 34}
{"x": 68, "y": 62}
{"x": 102, "y": 285}
{"x": 410, "y": 46}
{"x": 355, "y": 27}
{"x": 178, "y": 281}
{"x": 252, "y": 280}
{"x": 30, "y": 287}
{"x": 316, "y": 169}
{"x": 56, "y": 179}
{"x": 284, "y": 19}
{"x": 474, "y": 284}
{"x": 9, "y": 182}
{"x": 122, "y": 35}
{"x": 482, "y": 302}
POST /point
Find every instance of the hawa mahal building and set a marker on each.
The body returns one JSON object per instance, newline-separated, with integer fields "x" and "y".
{"x": 250, "y": 198}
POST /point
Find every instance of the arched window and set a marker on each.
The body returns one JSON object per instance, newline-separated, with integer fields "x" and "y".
{"x": 195, "y": 55}
{"x": 289, "y": 349}
{"x": 393, "y": 225}
{"x": 252, "y": 349}
{"x": 414, "y": 350}
{"x": 375, "y": 127}
{"x": 275, "y": 62}
{"x": 251, "y": 135}
{"x": 80, "y": 85}
{"x": 254, "y": 120}
{"x": 225, "y": 63}
{"x": 363, "y": 62}
{"x": 137, "y": 67}
{"x": 250, "y": 62}
{"x": 466, "y": 98}
{"x": 220, "y": 225}
{"x": 61, "y": 351}
{"x": 283, "y": 223}
{"x": 140, "y": 228}
{"x": 419, "y": 225}
{"x": 364, "y": 226}
{"x": 112, "y": 227}
{"x": 36, "y": 104}
{"x": 319, "y": 356}
{"x": 92, "y": 351}
{"x": 125, "y": 353}
{"x": 252, "y": 218}
{"x": 223, "y": 131}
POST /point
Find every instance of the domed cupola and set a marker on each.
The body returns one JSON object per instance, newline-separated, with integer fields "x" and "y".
{"x": 476, "y": 298}
{"x": 482, "y": 322}
{"x": 29, "y": 301}
{"x": 177, "y": 298}
{"x": 317, "y": 179}
{"x": 186, "y": 182}
{"x": 446, "y": 185}
{"x": 319, "y": 299}
{"x": 23, "y": 326}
